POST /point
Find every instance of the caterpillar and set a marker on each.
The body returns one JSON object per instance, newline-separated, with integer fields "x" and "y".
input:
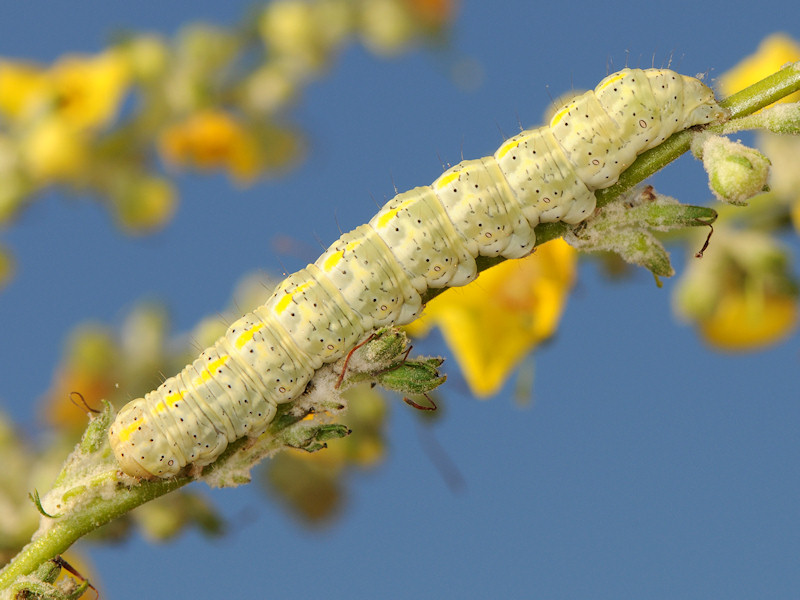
{"x": 375, "y": 275}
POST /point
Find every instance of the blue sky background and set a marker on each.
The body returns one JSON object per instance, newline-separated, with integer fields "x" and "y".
{"x": 647, "y": 465}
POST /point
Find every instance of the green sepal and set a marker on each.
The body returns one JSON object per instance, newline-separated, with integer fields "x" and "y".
{"x": 667, "y": 217}
{"x": 383, "y": 360}
{"x": 93, "y": 449}
{"x": 626, "y": 227}
{"x": 413, "y": 376}
{"x": 315, "y": 438}
{"x": 640, "y": 247}
{"x": 385, "y": 345}
{"x": 96, "y": 435}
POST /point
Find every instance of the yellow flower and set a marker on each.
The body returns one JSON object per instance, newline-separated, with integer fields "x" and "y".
{"x": 53, "y": 149}
{"x": 89, "y": 90}
{"x": 24, "y": 90}
{"x": 144, "y": 204}
{"x": 742, "y": 295}
{"x": 212, "y": 139}
{"x": 773, "y": 53}
{"x": 84, "y": 91}
{"x": 90, "y": 369}
{"x": 386, "y": 26}
{"x": 744, "y": 321}
{"x": 303, "y": 36}
{"x": 492, "y": 324}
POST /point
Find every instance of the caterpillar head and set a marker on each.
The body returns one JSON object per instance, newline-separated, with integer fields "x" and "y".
{"x": 700, "y": 105}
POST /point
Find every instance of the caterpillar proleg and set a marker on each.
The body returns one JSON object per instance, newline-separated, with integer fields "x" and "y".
{"x": 375, "y": 275}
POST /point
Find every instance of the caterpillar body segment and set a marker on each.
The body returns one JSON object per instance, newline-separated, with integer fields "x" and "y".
{"x": 375, "y": 275}
{"x": 535, "y": 166}
{"x": 361, "y": 266}
{"x": 479, "y": 202}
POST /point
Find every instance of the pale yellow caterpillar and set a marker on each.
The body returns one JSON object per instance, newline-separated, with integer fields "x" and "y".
{"x": 375, "y": 275}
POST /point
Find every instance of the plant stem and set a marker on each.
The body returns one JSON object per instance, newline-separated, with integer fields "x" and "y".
{"x": 68, "y": 528}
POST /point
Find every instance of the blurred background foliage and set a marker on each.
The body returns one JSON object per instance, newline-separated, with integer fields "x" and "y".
{"x": 117, "y": 125}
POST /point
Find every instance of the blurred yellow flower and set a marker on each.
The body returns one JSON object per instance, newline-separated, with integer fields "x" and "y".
{"x": 56, "y": 108}
{"x": 386, "y": 26}
{"x": 212, "y": 139}
{"x": 303, "y": 36}
{"x": 743, "y": 321}
{"x": 85, "y": 92}
{"x": 493, "y": 323}
{"x": 311, "y": 483}
{"x": 147, "y": 56}
{"x": 90, "y": 369}
{"x": 145, "y": 204}
{"x": 89, "y": 90}
{"x": 24, "y": 90}
{"x": 54, "y": 149}
{"x": 742, "y": 295}
{"x": 774, "y": 52}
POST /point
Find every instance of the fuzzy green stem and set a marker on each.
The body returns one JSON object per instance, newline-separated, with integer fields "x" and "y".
{"x": 69, "y": 528}
{"x": 98, "y": 509}
{"x": 763, "y": 93}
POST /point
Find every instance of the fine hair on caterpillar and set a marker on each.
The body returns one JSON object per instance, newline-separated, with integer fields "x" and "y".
{"x": 376, "y": 274}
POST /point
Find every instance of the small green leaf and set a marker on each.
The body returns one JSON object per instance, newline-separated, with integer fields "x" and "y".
{"x": 415, "y": 376}
{"x": 37, "y": 501}
{"x": 386, "y": 345}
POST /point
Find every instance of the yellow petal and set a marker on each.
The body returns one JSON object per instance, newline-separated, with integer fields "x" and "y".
{"x": 89, "y": 90}
{"x": 24, "y": 89}
{"x": 493, "y": 323}
{"x": 212, "y": 139}
{"x": 773, "y": 53}
{"x": 54, "y": 149}
{"x": 745, "y": 322}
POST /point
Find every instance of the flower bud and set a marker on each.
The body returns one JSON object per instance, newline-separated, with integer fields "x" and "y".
{"x": 735, "y": 172}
